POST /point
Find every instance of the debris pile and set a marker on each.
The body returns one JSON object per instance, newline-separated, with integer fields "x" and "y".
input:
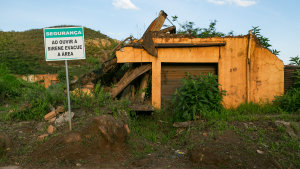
{"x": 56, "y": 117}
{"x": 129, "y": 81}
{"x": 105, "y": 134}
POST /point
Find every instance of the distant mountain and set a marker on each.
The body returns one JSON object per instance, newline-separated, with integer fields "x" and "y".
{"x": 24, "y": 53}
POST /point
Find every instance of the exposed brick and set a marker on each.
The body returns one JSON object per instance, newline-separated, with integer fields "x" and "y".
{"x": 41, "y": 137}
{"x": 51, "y": 129}
{"x": 50, "y": 115}
{"x": 52, "y": 120}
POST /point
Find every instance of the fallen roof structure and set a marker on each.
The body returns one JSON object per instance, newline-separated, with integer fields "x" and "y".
{"x": 246, "y": 70}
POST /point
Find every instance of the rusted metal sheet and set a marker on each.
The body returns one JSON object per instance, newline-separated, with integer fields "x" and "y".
{"x": 172, "y": 74}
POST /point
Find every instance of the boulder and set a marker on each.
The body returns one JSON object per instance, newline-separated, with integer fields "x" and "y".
{"x": 111, "y": 129}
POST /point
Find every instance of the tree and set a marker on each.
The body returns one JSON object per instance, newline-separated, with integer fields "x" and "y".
{"x": 263, "y": 40}
{"x": 295, "y": 60}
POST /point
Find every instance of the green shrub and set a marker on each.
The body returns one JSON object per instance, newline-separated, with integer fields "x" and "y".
{"x": 57, "y": 93}
{"x": 297, "y": 76}
{"x": 198, "y": 96}
{"x": 10, "y": 86}
{"x": 290, "y": 101}
{"x": 62, "y": 76}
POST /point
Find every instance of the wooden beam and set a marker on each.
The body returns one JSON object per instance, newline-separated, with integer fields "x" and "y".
{"x": 143, "y": 86}
{"x": 128, "y": 78}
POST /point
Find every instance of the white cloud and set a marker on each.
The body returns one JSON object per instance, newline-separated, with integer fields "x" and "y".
{"x": 243, "y": 3}
{"x": 124, "y": 4}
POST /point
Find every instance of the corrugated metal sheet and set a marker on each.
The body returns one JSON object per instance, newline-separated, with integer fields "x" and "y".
{"x": 172, "y": 74}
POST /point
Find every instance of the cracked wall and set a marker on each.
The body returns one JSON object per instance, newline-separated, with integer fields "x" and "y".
{"x": 266, "y": 70}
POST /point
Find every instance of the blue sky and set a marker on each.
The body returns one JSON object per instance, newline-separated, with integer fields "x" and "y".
{"x": 278, "y": 19}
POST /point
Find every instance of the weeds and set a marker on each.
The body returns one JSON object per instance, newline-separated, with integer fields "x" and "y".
{"x": 198, "y": 96}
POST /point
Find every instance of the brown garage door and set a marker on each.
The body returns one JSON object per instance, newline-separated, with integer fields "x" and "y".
{"x": 173, "y": 73}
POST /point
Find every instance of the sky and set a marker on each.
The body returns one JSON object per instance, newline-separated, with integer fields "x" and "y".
{"x": 279, "y": 20}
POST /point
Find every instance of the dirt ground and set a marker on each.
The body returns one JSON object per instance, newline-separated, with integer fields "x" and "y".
{"x": 237, "y": 144}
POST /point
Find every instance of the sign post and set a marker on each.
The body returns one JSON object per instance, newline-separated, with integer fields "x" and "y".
{"x": 64, "y": 44}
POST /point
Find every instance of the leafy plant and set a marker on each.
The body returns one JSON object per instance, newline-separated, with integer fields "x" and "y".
{"x": 263, "y": 40}
{"x": 101, "y": 96}
{"x": 189, "y": 28}
{"x": 10, "y": 86}
{"x": 295, "y": 60}
{"x": 290, "y": 101}
{"x": 197, "y": 96}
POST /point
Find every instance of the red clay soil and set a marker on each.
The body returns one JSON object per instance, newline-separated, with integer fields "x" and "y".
{"x": 102, "y": 141}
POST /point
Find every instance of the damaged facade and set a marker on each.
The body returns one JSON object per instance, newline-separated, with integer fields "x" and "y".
{"x": 247, "y": 71}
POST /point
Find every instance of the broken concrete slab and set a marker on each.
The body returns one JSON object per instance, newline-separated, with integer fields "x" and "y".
{"x": 63, "y": 118}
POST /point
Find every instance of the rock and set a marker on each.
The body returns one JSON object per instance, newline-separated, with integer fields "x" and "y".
{"x": 60, "y": 109}
{"x": 51, "y": 129}
{"x": 60, "y": 120}
{"x": 63, "y": 118}
{"x": 50, "y": 115}
{"x": 287, "y": 126}
{"x": 4, "y": 143}
{"x": 52, "y": 120}
{"x": 42, "y": 137}
{"x": 111, "y": 129}
{"x": 259, "y": 152}
{"x": 280, "y": 122}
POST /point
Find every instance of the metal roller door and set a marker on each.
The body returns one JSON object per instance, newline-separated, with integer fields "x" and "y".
{"x": 173, "y": 73}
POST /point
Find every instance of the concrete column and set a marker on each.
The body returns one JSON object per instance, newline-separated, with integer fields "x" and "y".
{"x": 156, "y": 84}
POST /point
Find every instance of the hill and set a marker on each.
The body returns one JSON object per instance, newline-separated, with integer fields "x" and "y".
{"x": 23, "y": 52}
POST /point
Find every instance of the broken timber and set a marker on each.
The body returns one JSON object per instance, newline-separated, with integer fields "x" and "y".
{"x": 128, "y": 78}
{"x": 156, "y": 25}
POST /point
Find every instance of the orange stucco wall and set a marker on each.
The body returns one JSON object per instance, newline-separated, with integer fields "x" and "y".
{"x": 266, "y": 70}
{"x": 45, "y": 79}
